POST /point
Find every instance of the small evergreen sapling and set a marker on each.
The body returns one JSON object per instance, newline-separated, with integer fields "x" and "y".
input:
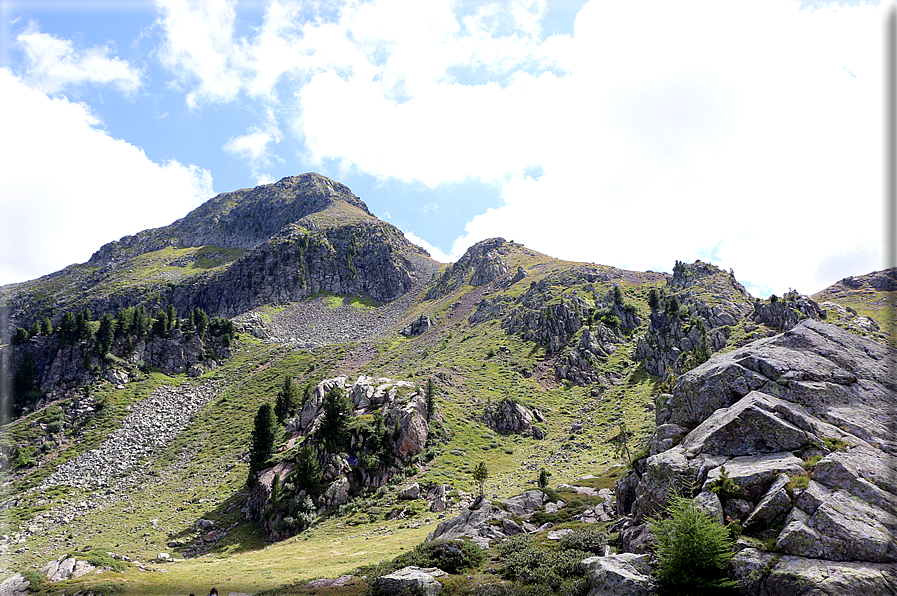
{"x": 480, "y": 474}
{"x": 692, "y": 549}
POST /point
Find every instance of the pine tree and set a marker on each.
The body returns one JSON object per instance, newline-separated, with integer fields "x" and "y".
{"x": 106, "y": 333}
{"x": 83, "y": 329}
{"x": 46, "y": 326}
{"x": 618, "y": 295}
{"x": 287, "y": 399}
{"x": 337, "y": 410}
{"x": 172, "y": 317}
{"x": 653, "y": 299}
{"x": 307, "y": 471}
{"x": 200, "y": 320}
{"x": 264, "y": 436}
{"x": 35, "y": 329}
{"x": 68, "y": 328}
{"x": 480, "y": 475}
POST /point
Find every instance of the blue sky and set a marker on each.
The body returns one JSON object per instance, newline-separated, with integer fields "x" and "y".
{"x": 621, "y": 133}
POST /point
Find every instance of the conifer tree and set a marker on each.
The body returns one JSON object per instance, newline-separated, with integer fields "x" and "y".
{"x": 83, "y": 329}
{"x": 106, "y": 333}
{"x": 264, "y": 436}
{"x": 287, "y": 399}
{"x": 172, "y": 317}
{"x": 67, "y": 328}
{"x": 480, "y": 474}
{"x": 337, "y": 410}
{"x": 46, "y": 326}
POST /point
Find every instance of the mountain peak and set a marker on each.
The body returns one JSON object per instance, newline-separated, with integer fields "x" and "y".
{"x": 241, "y": 219}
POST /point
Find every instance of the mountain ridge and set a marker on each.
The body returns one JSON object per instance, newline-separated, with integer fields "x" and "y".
{"x": 533, "y": 362}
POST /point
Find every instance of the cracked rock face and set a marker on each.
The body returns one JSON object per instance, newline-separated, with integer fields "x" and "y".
{"x": 815, "y": 403}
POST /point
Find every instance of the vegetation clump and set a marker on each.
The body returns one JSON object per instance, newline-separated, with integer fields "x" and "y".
{"x": 692, "y": 549}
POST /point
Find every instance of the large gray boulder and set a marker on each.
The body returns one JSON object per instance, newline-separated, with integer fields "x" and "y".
{"x": 409, "y": 581}
{"x": 473, "y": 523}
{"x": 15, "y": 585}
{"x": 625, "y": 574}
{"x": 771, "y": 574}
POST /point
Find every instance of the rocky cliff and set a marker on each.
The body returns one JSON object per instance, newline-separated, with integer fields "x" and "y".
{"x": 792, "y": 438}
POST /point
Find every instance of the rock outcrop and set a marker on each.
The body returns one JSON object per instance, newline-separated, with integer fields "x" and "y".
{"x": 793, "y": 436}
{"x": 510, "y": 417}
{"x": 393, "y": 426}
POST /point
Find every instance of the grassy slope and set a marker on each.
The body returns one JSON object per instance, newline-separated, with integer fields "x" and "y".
{"x": 202, "y": 474}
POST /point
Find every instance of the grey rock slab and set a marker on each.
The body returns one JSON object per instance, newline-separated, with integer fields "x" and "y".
{"x": 15, "y": 585}
{"x": 409, "y": 581}
{"x": 755, "y": 473}
{"x": 852, "y": 530}
{"x": 625, "y": 574}
{"x": 774, "y": 504}
{"x": 526, "y": 502}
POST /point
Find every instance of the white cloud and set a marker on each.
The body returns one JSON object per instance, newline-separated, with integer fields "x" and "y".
{"x": 437, "y": 254}
{"x": 69, "y": 187}
{"x": 663, "y": 130}
{"x": 254, "y": 148}
{"x": 54, "y": 64}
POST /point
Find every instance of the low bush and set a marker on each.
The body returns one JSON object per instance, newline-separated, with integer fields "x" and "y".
{"x": 586, "y": 540}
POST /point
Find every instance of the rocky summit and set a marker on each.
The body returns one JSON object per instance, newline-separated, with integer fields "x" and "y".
{"x": 280, "y": 394}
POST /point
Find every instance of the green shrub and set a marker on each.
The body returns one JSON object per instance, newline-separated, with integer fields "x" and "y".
{"x": 108, "y": 589}
{"x": 587, "y": 540}
{"x": 692, "y": 550}
{"x": 452, "y": 556}
{"x": 724, "y": 487}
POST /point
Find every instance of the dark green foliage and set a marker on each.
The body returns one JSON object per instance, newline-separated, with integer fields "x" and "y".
{"x": 106, "y": 333}
{"x": 172, "y": 317}
{"x": 264, "y": 436}
{"x": 480, "y": 474}
{"x": 306, "y": 474}
{"x": 287, "y": 399}
{"x": 141, "y": 322}
{"x": 525, "y": 562}
{"x": 46, "y": 326}
{"x": 608, "y": 317}
{"x": 586, "y": 540}
{"x": 618, "y": 295}
{"x": 337, "y": 411}
{"x": 19, "y": 337}
{"x": 83, "y": 328}
{"x": 672, "y": 306}
{"x": 200, "y": 321}
{"x": 692, "y": 550}
{"x": 224, "y": 328}
{"x": 773, "y": 299}
{"x": 679, "y": 268}
{"x": 725, "y": 487}
{"x": 543, "y": 478}
{"x": 452, "y": 556}
{"x": 24, "y": 457}
{"x": 35, "y": 329}
{"x": 161, "y": 324}
{"x": 68, "y": 328}
{"x": 653, "y": 299}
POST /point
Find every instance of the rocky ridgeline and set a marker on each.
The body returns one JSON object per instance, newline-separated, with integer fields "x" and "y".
{"x": 150, "y": 427}
{"x": 296, "y": 238}
{"x": 791, "y": 437}
{"x": 710, "y": 302}
{"x": 61, "y": 369}
{"x": 406, "y": 422}
{"x": 313, "y": 323}
{"x": 481, "y": 264}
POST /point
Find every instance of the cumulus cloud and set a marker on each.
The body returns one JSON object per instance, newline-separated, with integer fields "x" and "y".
{"x": 254, "y": 148}
{"x": 53, "y": 64}
{"x": 435, "y": 252}
{"x": 662, "y": 130}
{"x": 69, "y": 187}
